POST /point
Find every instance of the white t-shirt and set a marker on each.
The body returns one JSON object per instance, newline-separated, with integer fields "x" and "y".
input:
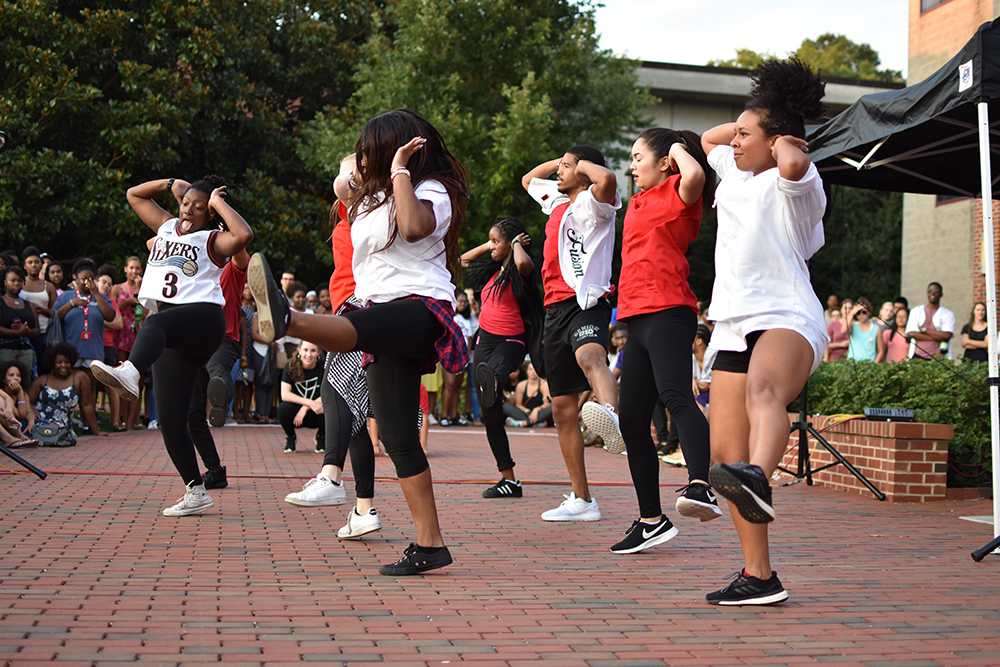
{"x": 586, "y": 238}
{"x": 943, "y": 320}
{"x": 403, "y": 269}
{"x": 769, "y": 227}
{"x": 182, "y": 268}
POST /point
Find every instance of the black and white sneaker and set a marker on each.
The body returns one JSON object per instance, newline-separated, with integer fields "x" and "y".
{"x": 505, "y": 488}
{"x": 319, "y": 444}
{"x": 486, "y": 380}
{"x": 416, "y": 560}
{"x": 698, "y": 501}
{"x": 272, "y": 307}
{"x": 747, "y": 590}
{"x": 289, "y": 446}
{"x": 641, "y": 536}
{"x": 746, "y": 486}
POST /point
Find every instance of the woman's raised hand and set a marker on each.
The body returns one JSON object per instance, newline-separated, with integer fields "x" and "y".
{"x": 406, "y": 151}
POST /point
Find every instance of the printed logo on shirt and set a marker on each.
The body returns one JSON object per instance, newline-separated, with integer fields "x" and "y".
{"x": 308, "y": 388}
{"x": 576, "y": 251}
{"x": 586, "y": 332}
{"x": 175, "y": 253}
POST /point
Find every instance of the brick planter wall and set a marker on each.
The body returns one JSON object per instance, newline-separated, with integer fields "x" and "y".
{"x": 907, "y": 461}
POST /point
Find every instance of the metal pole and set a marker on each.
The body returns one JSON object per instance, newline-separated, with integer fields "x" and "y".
{"x": 991, "y": 304}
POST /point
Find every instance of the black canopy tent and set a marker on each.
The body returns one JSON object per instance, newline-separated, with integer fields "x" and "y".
{"x": 933, "y": 137}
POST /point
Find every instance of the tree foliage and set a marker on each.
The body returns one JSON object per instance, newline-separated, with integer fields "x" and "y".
{"x": 97, "y": 96}
{"x": 509, "y": 84}
{"x": 830, "y": 54}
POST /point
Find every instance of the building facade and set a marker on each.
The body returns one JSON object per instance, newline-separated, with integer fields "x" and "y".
{"x": 942, "y": 236}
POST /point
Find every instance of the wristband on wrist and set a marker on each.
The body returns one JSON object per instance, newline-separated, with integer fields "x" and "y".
{"x": 170, "y": 185}
{"x": 397, "y": 171}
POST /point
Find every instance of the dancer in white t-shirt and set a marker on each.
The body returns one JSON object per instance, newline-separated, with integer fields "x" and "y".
{"x": 770, "y": 331}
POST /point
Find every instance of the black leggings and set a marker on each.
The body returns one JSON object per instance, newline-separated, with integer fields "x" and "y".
{"x": 502, "y": 354}
{"x": 657, "y": 363}
{"x": 286, "y": 417}
{"x": 339, "y": 422}
{"x": 176, "y": 343}
{"x": 401, "y": 334}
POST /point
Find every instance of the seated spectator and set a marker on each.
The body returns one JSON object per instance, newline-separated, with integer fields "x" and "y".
{"x": 531, "y": 403}
{"x": 12, "y": 381}
{"x": 17, "y": 321}
{"x": 865, "y": 342}
{"x": 56, "y": 395}
{"x": 839, "y": 332}
{"x": 84, "y": 312}
{"x": 11, "y": 433}
{"x": 896, "y": 347}
{"x": 300, "y": 398}
{"x": 974, "y": 334}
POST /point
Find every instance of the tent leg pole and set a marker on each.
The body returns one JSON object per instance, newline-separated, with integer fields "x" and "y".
{"x": 991, "y": 305}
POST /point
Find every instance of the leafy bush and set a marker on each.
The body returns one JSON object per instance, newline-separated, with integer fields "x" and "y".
{"x": 938, "y": 392}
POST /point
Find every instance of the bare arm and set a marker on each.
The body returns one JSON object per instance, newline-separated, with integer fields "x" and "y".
{"x": 140, "y": 198}
{"x": 414, "y": 217}
{"x": 604, "y": 180}
{"x": 519, "y": 392}
{"x": 36, "y": 389}
{"x": 879, "y": 347}
{"x": 470, "y": 256}
{"x": 790, "y": 153}
{"x": 87, "y": 408}
{"x": 692, "y": 175}
{"x": 107, "y": 311}
{"x": 242, "y": 259}
{"x": 720, "y": 135}
{"x": 239, "y": 234}
{"x": 289, "y": 396}
{"x": 522, "y": 260}
{"x": 544, "y": 170}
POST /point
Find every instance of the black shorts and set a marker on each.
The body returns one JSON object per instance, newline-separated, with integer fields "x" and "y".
{"x": 503, "y": 354}
{"x": 111, "y": 355}
{"x": 567, "y": 327}
{"x": 737, "y": 362}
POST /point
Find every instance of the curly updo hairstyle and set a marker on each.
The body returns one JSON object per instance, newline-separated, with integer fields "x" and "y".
{"x": 786, "y": 93}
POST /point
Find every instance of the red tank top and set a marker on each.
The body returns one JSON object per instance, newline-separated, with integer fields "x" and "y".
{"x": 659, "y": 226}
{"x": 499, "y": 313}
{"x": 232, "y": 281}
{"x": 554, "y": 286}
{"x": 342, "y": 280}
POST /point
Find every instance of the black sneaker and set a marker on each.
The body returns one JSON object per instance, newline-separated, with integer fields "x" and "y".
{"x": 641, "y": 536}
{"x": 698, "y": 502}
{"x": 486, "y": 380}
{"x": 272, "y": 306}
{"x": 215, "y": 478}
{"x": 217, "y": 401}
{"x": 746, "y": 590}
{"x": 289, "y": 446}
{"x": 505, "y": 488}
{"x": 319, "y": 444}
{"x": 415, "y": 561}
{"x": 747, "y": 487}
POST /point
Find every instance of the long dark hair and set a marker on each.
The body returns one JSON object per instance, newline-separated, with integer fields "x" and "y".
{"x": 525, "y": 288}
{"x": 380, "y": 139}
{"x": 893, "y": 330}
{"x": 788, "y": 93}
{"x": 660, "y": 139}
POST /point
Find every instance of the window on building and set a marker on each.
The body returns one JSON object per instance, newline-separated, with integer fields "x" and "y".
{"x": 927, "y": 5}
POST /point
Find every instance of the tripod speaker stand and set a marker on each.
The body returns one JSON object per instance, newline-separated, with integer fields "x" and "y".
{"x": 804, "y": 469}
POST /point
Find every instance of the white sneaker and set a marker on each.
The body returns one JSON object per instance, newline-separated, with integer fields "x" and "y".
{"x": 603, "y": 422}
{"x": 359, "y": 524}
{"x": 153, "y": 425}
{"x": 574, "y": 509}
{"x": 195, "y": 501}
{"x": 123, "y": 377}
{"x": 317, "y": 492}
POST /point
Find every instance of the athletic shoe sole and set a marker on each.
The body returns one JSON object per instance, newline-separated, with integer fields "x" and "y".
{"x": 585, "y": 516}
{"x": 189, "y": 512}
{"x": 355, "y": 536}
{"x": 217, "y": 400}
{"x": 257, "y": 272}
{"x": 750, "y": 505}
{"x": 774, "y": 598}
{"x": 486, "y": 380}
{"x": 665, "y": 536}
{"x": 103, "y": 374}
{"x": 314, "y": 503}
{"x": 697, "y": 510}
{"x": 599, "y": 422}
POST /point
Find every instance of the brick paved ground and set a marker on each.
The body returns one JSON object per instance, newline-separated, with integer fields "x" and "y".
{"x": 90, "y": 573}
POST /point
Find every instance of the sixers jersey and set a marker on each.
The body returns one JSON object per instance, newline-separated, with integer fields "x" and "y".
{"x": 181, "y": 268}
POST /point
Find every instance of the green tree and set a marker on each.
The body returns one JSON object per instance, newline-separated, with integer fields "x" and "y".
{"x": 509, "y": 84}
{"x": 829, "y": 54}
{"x": 96, "y": 96}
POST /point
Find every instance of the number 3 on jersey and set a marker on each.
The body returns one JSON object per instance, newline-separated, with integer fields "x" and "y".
{"x": 170, "y": 285}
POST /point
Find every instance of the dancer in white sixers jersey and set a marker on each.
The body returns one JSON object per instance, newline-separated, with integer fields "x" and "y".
{"x": 181, "y": 286}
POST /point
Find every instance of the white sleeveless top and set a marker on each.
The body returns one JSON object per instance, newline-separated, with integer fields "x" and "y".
{"x": 39, "y": 299}
{"x": 182, "y": 268}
